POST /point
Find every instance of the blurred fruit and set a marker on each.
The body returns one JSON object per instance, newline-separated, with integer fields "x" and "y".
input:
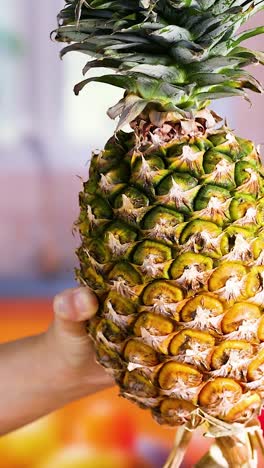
{"x": 80, "y": 456}
{"x": 105, "y": 424}
{"x": 27, "y": 446}
{"x": 106, "y": 420}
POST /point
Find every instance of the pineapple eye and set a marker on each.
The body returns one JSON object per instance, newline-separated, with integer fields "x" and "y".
{"x": 255, "y": 368}
{"x": 196, "y": 227}
{"x": 248, "y": 407}
{"x": 218, "y": 396}
{"x": 135, "y": 197}
{"x": 191, "y": 339}
{"x": 121, "y": 304}
{"x": 162, "y": 290}
{"x": 238, "y": 316}
{"x": 138, "y": 384}
{"x": 207, "y": 192}
{"x": 109, "y": 358}
{"x": 110, "y": 331}
{"x": 161, "y": 215}
{"x": 203, "y": 306}
{"x": 175, "y": 376}
{"x": 193, "y": 263}
{"x": 174, "y": 412}
{"x": 136, "y": 352}
{"x": 155, "y": 324}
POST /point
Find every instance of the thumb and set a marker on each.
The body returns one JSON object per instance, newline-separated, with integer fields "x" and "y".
{"x": 72, "y": 308}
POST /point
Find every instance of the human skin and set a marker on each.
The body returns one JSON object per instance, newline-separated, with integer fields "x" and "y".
{"x": 42, "y": 373}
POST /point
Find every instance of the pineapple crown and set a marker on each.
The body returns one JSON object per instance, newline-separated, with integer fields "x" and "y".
{"x": 169, "y": 55}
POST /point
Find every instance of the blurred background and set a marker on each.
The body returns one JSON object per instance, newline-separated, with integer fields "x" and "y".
{"x": 46, "y": 139}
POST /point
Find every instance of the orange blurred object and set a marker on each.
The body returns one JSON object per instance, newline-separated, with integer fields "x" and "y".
{"x": 27, "y": 446}
{"x": 81, "y": 456}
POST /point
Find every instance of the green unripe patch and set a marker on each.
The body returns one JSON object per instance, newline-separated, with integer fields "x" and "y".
{"x": 111, "y": 331}
{"x": 98, "y": 251}
{"x": 241, "y": 171}
{"x": 188, "y": 259}
{"x": 217, "y": 139}
{"x": 160, "y": 213}
{"x": 203, "y": 144}
{"x": 93, "y": 279}
{"x": 184, "y": 180}
{"x": 100, "y": 208}
{"x": 257, "y": 247}
{"x": 91, "y": 185}
{"x": 123, "y": 231}
{"x": 137, "y": 198}
{"x": 260, "y": 212}
{"x": 193, "y": 167}
{"x": 208, "y": 191}
{"x": 122, "y": 305}
{"x": 161, "y": 252}
{"x": 126, "y": 141}
{"x": 161, "y": 289}
{"x": 237, "y": 149}
{"x": 125, "y": 271}
{"x": 106, "y": 160}
{"x": 154, "y": 162}
{"x": 198, "y": 226}
{"x": 119, "y": 174}
{"x": 175, "y": 149}
{"x": 240, "y": 204}
{"x": 229, "y": 237}
{"x": 212, "y": 158}
{"x": 246, "y": 147}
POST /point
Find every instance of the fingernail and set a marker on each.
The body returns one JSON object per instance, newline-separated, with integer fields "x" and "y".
{"x": 61, "y": 305}
{"x": 85, "y": 302}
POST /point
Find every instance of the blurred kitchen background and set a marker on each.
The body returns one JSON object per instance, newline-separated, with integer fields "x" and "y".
{"x": 46, "y": 139}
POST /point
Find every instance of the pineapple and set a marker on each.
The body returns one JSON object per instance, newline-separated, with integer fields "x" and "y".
{"x": 172, "y": 215}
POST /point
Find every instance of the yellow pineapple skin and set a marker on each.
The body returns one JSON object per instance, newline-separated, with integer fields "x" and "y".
{"x": 172, "y": 244}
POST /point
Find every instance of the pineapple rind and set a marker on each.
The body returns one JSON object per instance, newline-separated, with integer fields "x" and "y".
{"x": 175, "y": 254}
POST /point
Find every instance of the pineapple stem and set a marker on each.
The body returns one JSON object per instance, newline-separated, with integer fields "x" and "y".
{"x": 182, "y": 440}
{"x": 237, "y": 453}
{"x": 228, "y": 451}
{"x": 233, "y": 451}
{"x": 212, "y": 459}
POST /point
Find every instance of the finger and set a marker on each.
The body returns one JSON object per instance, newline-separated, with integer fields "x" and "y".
{"x": 76, "y": 305}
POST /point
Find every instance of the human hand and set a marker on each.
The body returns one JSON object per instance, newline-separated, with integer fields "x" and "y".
{"x": 41, "y": 373}
{"x": 71, "y": 346}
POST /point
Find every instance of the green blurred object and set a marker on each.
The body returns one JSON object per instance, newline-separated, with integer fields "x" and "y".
{"x": 10, "y": 42}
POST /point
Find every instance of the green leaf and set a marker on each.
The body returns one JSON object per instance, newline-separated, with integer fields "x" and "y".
{"x": 167, "y": 52}
{"x": 213, "y": 64}
{"x": 115, "y": 80}
{"x": 102, "y": 63}
{"x": 246, "y": 35}
{"x": 78, "y": 47}
{"x": 219, "y": 92}
{"x": 170, "y": 35}
{"x": 132, "y": 108}
{"x": 171, "y": 74}
{"x": 249, "y": 55}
